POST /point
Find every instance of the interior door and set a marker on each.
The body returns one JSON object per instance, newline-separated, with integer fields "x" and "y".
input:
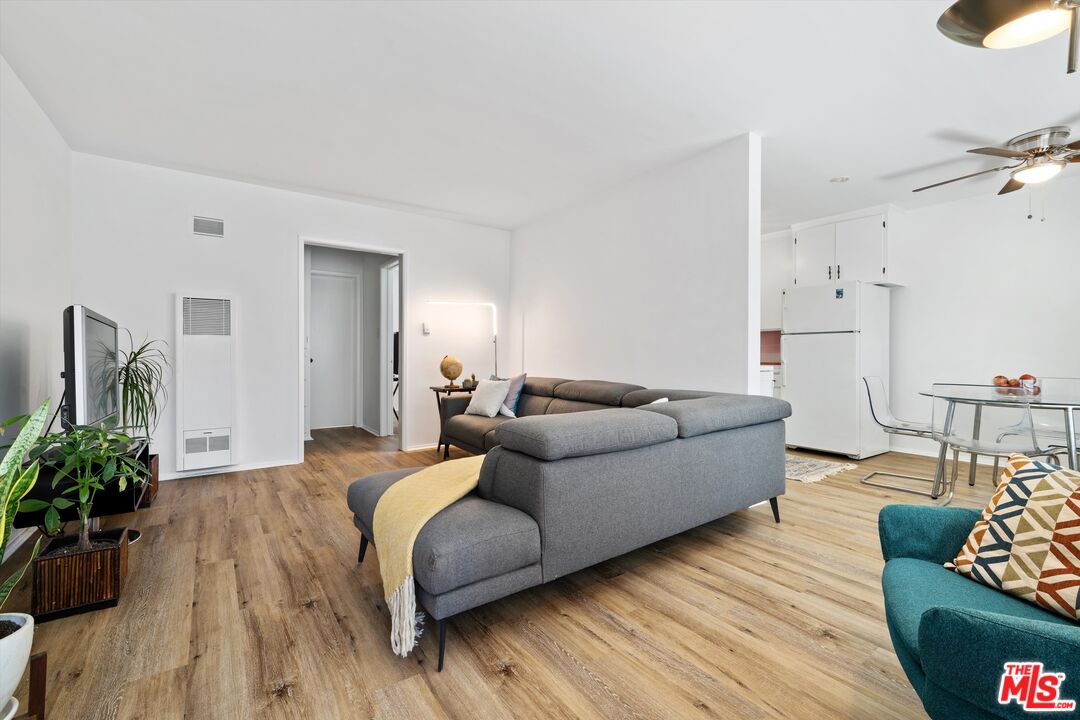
{"x": 815, "y": 251}
{"x": 820, "y": 383}
{"x": 332, "y": 338}
{"x": 860, "y": 249}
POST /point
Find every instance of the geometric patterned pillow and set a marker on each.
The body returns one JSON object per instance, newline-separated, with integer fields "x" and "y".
{"x": 1027, "y": 542}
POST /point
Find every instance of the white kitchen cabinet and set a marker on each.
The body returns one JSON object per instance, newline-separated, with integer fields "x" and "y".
{"x": 776, "y": 274}
{"x": 860, "y": 249}
{"x": 815, "y": 255}
{"x": 864, "y": 246}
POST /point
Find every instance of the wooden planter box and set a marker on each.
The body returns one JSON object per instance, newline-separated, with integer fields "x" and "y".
{"x": 152, "y": 482}
{"x": 79, "y": 582}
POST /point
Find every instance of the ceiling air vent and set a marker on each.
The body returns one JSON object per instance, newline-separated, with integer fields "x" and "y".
{"x": 207, "y": 316}
{"x": 208, "y": 227}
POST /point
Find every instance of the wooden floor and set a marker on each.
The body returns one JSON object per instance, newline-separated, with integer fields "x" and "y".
{"x": 244, "y": 600}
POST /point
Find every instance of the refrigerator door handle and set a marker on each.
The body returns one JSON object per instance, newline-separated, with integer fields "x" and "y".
{"x": 826, "y": 332}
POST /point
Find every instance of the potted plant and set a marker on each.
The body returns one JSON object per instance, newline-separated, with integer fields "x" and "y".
{"x": 16, "y": 629}
{"x": 74, "y": 574}
{"x": 142, "y": 397}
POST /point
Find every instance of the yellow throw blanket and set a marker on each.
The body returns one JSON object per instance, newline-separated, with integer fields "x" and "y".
{"x": 401, "y": 513}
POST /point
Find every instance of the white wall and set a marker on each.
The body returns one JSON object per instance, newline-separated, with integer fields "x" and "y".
{"x": 655, "y": 281}
{"x": 134, "y": 251}
{"x": 35, "y": 249}
{"x": 993, "y": 292}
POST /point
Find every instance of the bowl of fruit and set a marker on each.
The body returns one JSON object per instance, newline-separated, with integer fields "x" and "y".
{"x": 1026, "y": 384}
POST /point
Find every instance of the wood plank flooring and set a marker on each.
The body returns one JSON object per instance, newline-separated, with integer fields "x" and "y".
{"x": 244, "y": 600}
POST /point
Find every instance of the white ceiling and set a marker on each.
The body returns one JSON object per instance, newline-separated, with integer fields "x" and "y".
{"x": 501, "y": 112}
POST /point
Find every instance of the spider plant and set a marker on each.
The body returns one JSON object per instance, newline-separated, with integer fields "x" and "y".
{"x": 15, "y": 482}
{"x": 142, "y": 386}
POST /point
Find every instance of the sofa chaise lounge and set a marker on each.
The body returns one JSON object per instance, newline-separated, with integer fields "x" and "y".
{"x": 567, "y": 485}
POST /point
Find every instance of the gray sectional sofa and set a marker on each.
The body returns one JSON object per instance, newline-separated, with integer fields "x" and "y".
{"x": 590, "y": 470}
{"x": 546, "y": 396}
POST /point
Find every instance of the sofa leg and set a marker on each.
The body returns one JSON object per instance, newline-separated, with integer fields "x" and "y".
{"x": 442, "y": 642}
{"x": 363, "y": 549}
{"x": 775, "y": 503}
{"x": 446, "y": 451}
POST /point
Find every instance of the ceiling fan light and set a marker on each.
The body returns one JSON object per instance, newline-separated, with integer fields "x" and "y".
{"x": 1028, "y": 29}
{"x": 1038, "y": 173}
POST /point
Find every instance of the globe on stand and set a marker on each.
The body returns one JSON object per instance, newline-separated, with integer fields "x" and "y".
{"x": 450, "y": 367}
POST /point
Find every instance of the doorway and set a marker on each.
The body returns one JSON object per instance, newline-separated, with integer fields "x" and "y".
{"x": 349, "y": 307}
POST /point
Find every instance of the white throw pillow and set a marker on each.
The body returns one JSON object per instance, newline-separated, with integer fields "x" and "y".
{"x": 488, "y": 398}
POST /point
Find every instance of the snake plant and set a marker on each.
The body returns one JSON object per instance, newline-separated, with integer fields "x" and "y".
{"x": 15, "y": 481}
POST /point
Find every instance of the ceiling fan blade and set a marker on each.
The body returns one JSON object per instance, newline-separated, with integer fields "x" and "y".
{"x": 964, "y": 177}
{"x": 1000, "y": 152}
{"x": 1070, "y": 120}
{"x": 1011, "y": 186}
{"x": 1075, "y": 145}
{"x": 921, "y": 168}
{"x": 962, "y": 136}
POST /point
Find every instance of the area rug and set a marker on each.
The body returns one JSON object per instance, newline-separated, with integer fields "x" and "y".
{"x": 809, "y": 470}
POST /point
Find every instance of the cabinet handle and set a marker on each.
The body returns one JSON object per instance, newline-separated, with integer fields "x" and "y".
{"x": 837, "y": 271}
{"x": 830, "y": 272}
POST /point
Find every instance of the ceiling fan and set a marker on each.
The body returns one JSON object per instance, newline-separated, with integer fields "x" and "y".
{"x": 1004, "y": 24}
{"x": 1042, "y": 154}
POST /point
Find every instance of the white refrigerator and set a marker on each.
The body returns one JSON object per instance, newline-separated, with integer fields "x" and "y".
{"x": 832, "y": 336}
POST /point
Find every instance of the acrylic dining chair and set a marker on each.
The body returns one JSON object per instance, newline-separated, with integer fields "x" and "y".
{"x": 883, "y": 416}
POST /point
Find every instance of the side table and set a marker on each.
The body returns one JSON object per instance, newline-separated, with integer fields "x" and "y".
{"x": 438, "y": 406}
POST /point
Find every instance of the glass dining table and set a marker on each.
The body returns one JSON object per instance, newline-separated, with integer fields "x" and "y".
{"x": 1064, "y": 400}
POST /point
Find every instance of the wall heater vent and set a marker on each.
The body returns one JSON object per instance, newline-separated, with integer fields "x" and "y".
{"x": 207, "y": 316}
{"x": 205, "y": 381}
{"x": 209, "y": 227}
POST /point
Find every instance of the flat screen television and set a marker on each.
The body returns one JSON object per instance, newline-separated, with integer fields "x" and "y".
{"x": 92, "y": 396}
{"x": 91, "y": 377}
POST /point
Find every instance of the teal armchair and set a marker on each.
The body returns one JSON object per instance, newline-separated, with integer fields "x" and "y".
{"x": 952, "y": 635}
